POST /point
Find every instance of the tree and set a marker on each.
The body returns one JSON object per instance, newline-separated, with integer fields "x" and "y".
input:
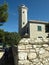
{"x": 3, "y": 18}
{"x": 2, "y": 39}
{"x": 3, "y": 13}
{"x": 9, "y": 38}
{"x": 12, "y": 38}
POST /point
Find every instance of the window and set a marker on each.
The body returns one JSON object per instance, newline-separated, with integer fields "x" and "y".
{"x": 39, "y": 28}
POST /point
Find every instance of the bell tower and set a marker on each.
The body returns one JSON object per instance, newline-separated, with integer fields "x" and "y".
{"x": 22, "y": 18}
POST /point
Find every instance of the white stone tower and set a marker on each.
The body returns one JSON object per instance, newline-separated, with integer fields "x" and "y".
{"x": 22, "y": 18}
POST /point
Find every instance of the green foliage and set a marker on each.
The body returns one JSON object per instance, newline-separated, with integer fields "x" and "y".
{"x": 3, "y": 12}
{"x": 9, "y": 38}
{"x": 2, "y": 37}
{"x": 12, "y": 38}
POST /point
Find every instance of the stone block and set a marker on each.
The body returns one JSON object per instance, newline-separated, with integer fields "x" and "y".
{"x": 26, "y": 51}
{"x": 37, "y": 50}
{"x": 47, "y": 48}
{"x": 36, "y": 60}
{"x": 31, "y": 56}
{"x": 24, "y": 41}
{"x": 39, "y": 63}
{"x": 46, "y": 54}
{"x": 19, "y": 50}
{"x": 34, "y": 46}
{"x": 38, "y": 46}
{"x": 42, "y": 51}
{"x": 22, "y": 56}
{"x": 32, "y": 50}
{"x": 23, "y": 62}
{"x": 21, "y": 46}
{"x": 45, "y": 45}
{"x": 31, "y": 41}
{"x": 29, "y": 46}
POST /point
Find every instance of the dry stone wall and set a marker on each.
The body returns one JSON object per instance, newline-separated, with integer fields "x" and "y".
{"x": 33, "y": 54}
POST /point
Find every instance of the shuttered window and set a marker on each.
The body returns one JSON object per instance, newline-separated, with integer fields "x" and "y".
{"x": 39, "y": 28}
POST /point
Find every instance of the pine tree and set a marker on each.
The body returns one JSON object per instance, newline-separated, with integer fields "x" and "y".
{"x": 3, "y": 13}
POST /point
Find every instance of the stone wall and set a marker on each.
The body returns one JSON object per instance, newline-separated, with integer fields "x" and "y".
{"x": 32, "y": 54}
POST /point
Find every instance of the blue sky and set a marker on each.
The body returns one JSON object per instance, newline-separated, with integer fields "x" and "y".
{"x": 37, "y": 10}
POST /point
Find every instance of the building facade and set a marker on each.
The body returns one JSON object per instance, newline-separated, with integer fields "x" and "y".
{"x": 37, "y": 29}
{"x": 33, "y": 28}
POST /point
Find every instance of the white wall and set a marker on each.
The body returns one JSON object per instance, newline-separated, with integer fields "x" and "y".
{"x": 34, "y": 33}
{"x": 22, "y": 17}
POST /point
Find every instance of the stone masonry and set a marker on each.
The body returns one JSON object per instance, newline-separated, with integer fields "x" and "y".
{"x": 32, "y": 54}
